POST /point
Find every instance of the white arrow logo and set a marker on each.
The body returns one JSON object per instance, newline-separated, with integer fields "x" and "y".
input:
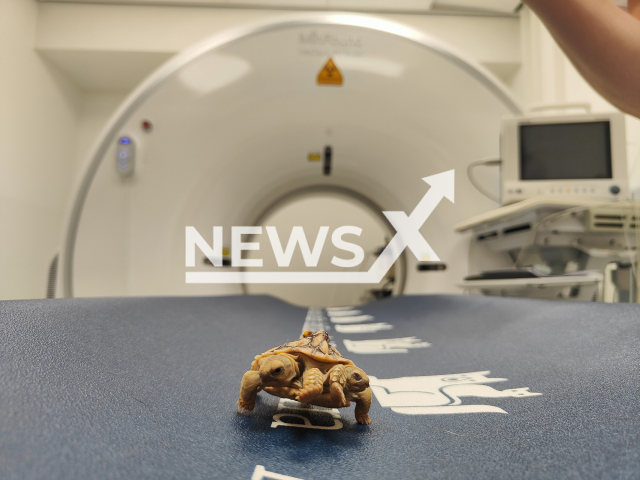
{"x": 407, "y": 235}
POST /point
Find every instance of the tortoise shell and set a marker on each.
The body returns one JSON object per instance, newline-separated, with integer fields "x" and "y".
{"x": 314, "y": 345}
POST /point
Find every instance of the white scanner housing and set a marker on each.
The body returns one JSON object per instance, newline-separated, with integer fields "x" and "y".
{"x": 236, "y": 119}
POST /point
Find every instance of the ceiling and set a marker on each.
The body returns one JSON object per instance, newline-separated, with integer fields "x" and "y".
{"x": 414, "y": 6}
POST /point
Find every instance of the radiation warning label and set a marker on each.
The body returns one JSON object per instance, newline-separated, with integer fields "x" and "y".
{"x": 329, "y": 75}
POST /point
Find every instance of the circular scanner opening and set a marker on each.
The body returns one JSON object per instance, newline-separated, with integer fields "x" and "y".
{"x": 313, "y": 209}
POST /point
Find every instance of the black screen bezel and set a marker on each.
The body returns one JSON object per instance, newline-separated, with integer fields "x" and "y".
{"x": 608, "y": 143}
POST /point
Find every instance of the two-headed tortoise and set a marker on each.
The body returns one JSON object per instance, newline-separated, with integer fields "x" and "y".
{"x": 308, "y": 370}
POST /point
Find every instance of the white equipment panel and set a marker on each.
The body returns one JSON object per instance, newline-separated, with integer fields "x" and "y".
{"x": 564, "y": 156}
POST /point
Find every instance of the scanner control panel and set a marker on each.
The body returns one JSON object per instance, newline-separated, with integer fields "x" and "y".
{"x": 125, "y": 156}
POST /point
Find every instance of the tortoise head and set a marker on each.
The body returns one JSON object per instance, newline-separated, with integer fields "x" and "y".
{"x": 357, "y": 380}
{"x": 278, "y": 369}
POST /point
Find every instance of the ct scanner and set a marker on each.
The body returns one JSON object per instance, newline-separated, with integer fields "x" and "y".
{"x": 144, "y": 384}
{"x": 235, "y": 119}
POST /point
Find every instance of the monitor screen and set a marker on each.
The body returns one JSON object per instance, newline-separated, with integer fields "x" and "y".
{"x": 565, "y": 151}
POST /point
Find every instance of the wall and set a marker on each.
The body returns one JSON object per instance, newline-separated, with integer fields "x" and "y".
{"x": 38, "y": 133}
{"x": 106, "y": 50}
{"x": 70, "y": 65}
{"x": 109, "y": 49}
{"x": 548, "y": 77}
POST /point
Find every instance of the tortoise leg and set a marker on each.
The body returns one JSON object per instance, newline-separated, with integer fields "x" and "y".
{"x": 283, "y": 392}
{"x": 251, "y": 385}
{"x": 337, "y": 381}
{"x": 363, "y": 404}
{"x": 312, "y": 384}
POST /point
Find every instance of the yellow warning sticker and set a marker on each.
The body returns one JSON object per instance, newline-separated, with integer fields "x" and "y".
{"x": 314, "y": 156}
{"x": 329, "y": 75}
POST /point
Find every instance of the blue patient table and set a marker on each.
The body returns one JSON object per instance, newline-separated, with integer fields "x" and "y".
{"x": 464, "y": 387}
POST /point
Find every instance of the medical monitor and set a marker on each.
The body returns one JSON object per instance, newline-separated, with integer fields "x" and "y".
{"x": 578, "y": 155}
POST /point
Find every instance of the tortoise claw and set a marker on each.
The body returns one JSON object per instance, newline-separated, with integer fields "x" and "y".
{"x": 363, "y": 419}
{"x": 244, "y": 406}
{"x": 311, "y": 386}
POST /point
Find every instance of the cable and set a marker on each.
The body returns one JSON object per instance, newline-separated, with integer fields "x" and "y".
{"x": 631, "y": 235}
{"x": 633, "y": 174}
{"x": 631, "y": 254}
{"x": 531, "y": 242}
{"x": 487, "y": 162}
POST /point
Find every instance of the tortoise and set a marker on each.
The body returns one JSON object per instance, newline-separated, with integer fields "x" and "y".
{"x": 308, "y": 370}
